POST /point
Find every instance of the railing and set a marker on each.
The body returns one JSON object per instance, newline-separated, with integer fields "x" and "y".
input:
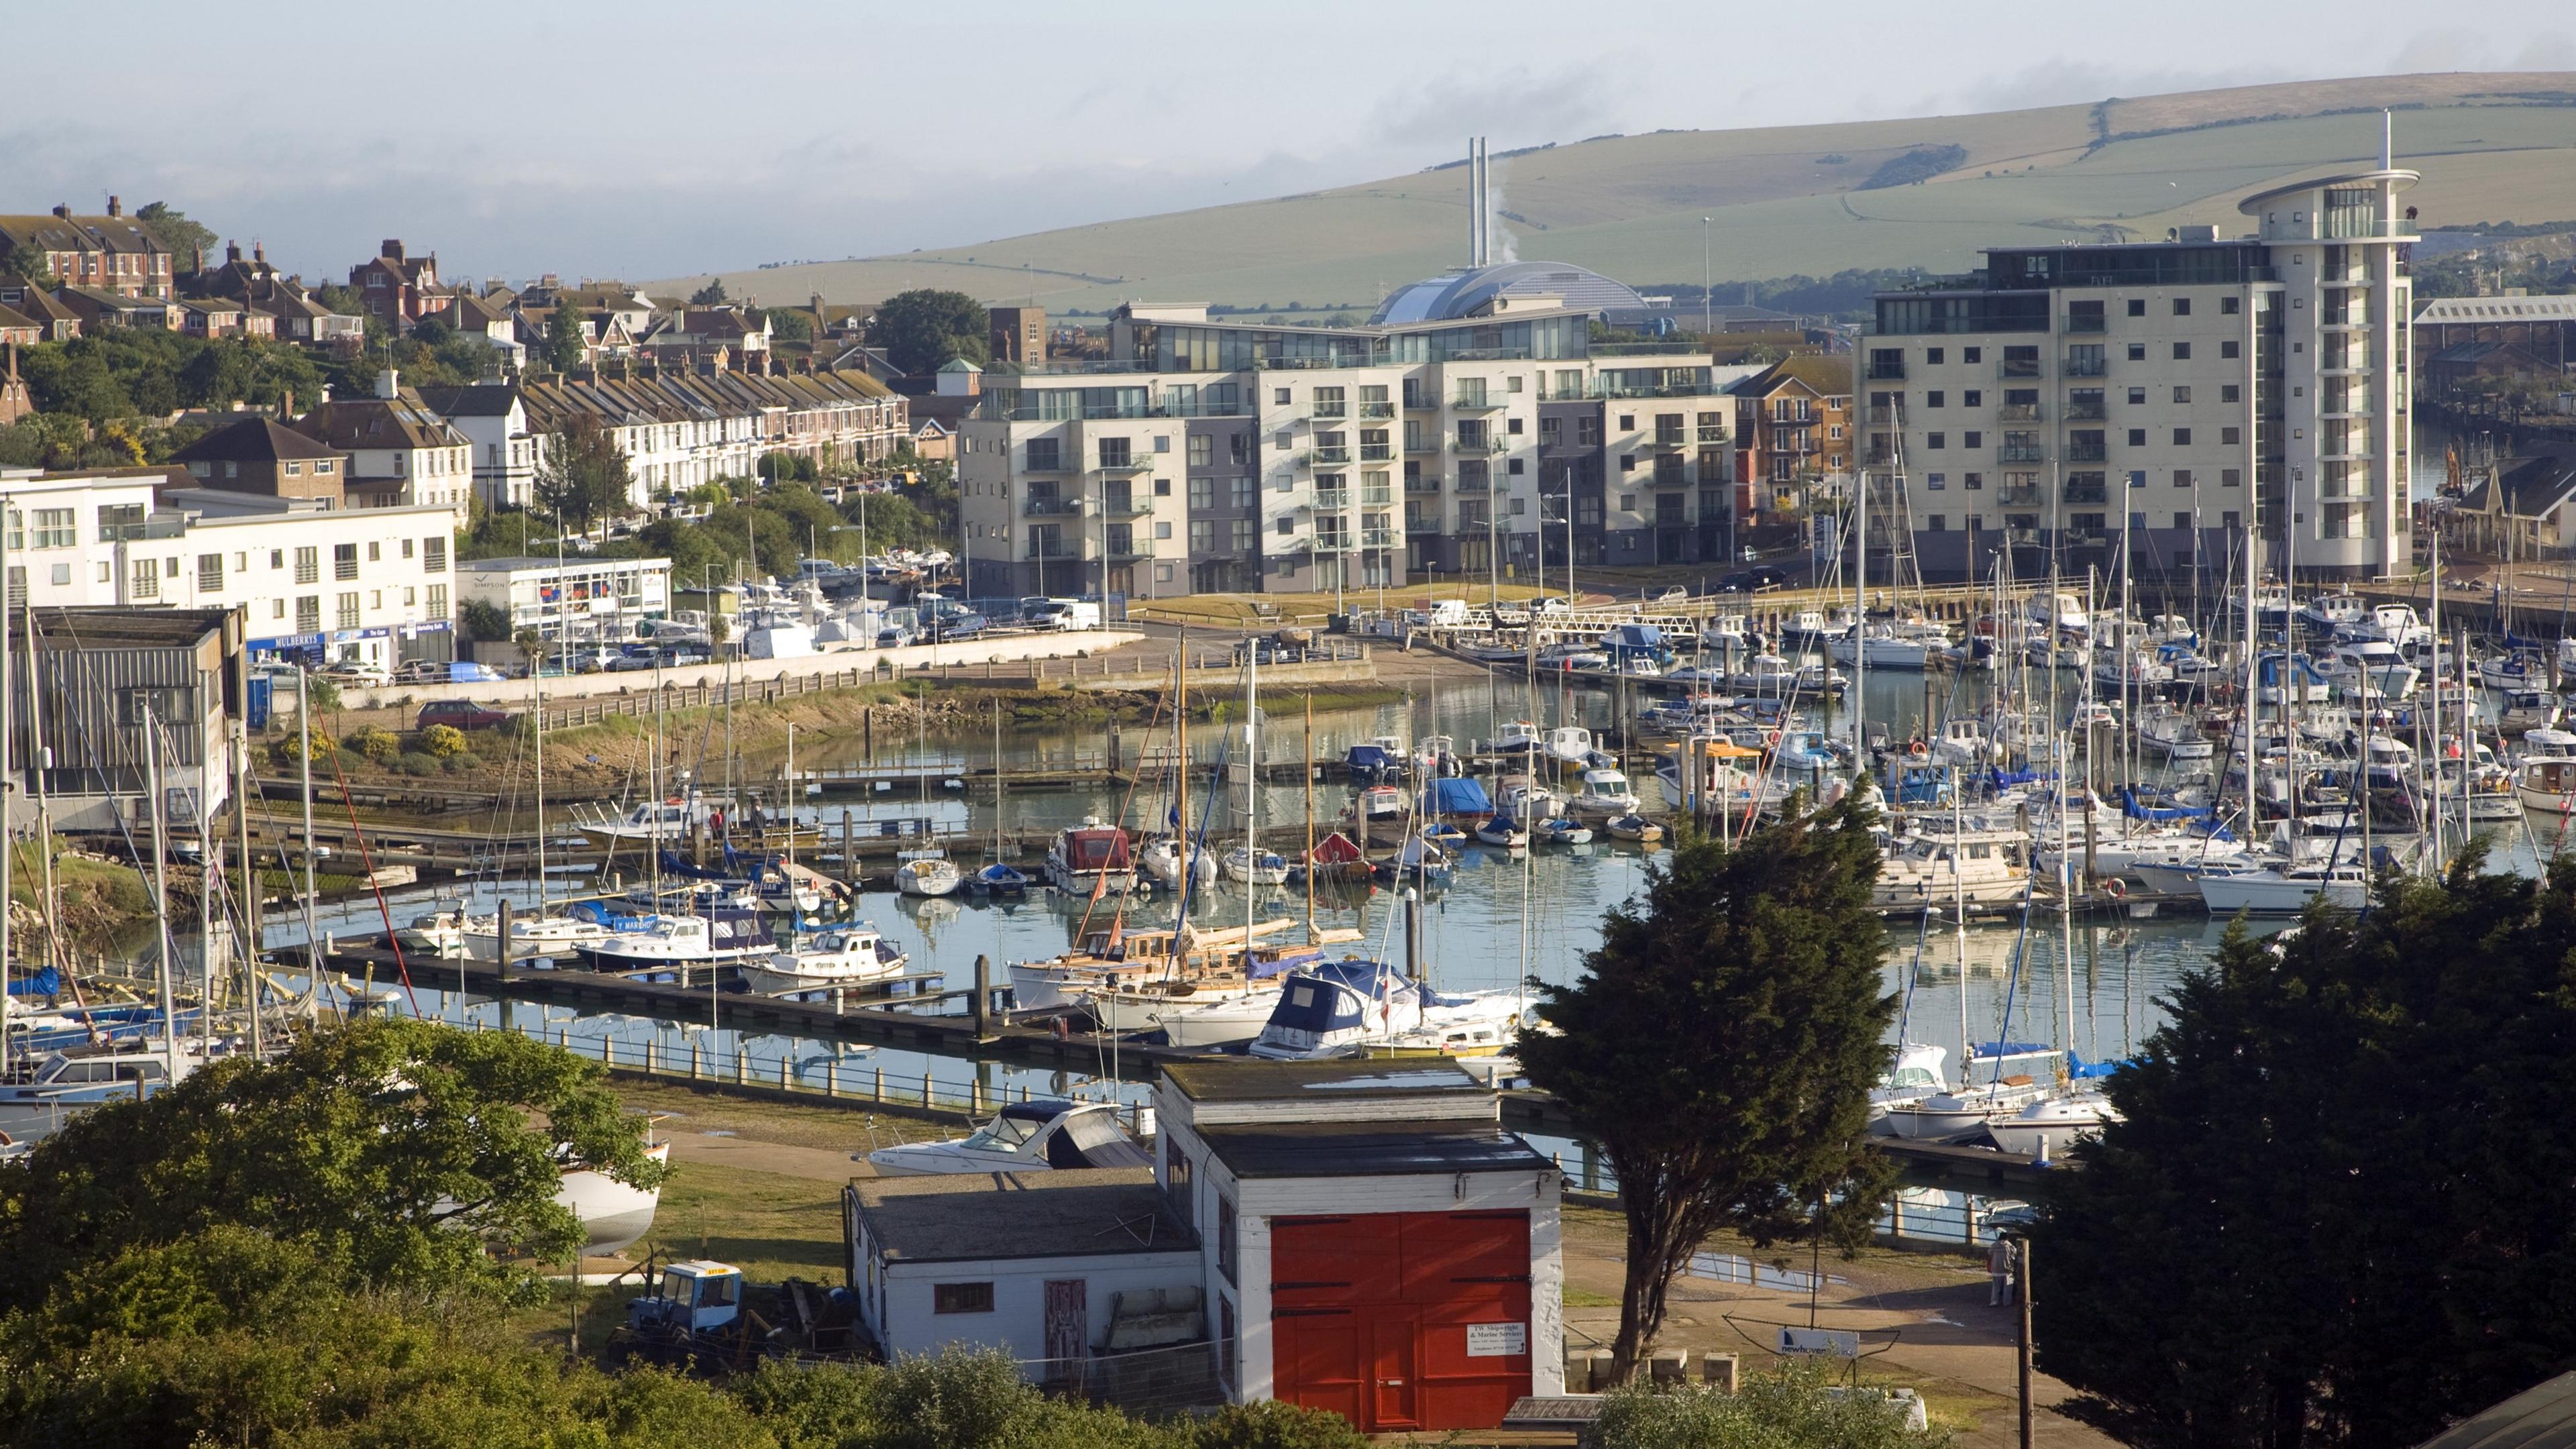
{"x": 1470, "y": 485}
{"x": 1313, "y": 364}
{"x": 1886, "y": 371}
{"x": 1664, "y": 389}
{"x": 1429, "y": 484}
{"x": 1376, "y": 493}
{"x": 1421, "y": 445}
{"x": 2081, "y": 322}
{"x": 2087, "y": 492}
{"x": 1483, "y": 449}
{"x": 2029, "y": 537}
{"x": 1051, "y": 507}
{"x": 1378, "y": 538}
{"x": 2018, "y": 412}
{"x": 2083, "y": 537}
{"x": 1054, "y": 463}
{"x": 1127, "y": 507}
{"x": 1126, "y": 465}
{"x": 1376, "y": 453}
{"x": 1474, "y": 402}
{"x": 2017, "y": 367}
{"x": 1332, "y": 543}
{"x": 2020, "y": 496}
{"x": 1331, "y": 410}
{"x": 1377, "y": 410}
{"x": 2091, "y": 410}
{"x": 1332, "y": 455}
{"x": 1131, "y": 550}
{"x": 1880, "y": 415}
{"x": 1332, "y": 498}
{"x": 1040, "y": 548}
{"x": 2086, "y": 452}
{"x": 2080, "y": 367}
{"x": 2020, "y": 453}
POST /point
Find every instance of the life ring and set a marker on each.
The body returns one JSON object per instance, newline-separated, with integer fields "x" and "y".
{"x": 1771, "y": 738}
{"x": 1916, "y": 750}
{"x": 2115, "y": 888}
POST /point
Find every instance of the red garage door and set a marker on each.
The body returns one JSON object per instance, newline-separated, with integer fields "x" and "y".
{"x": 1402, "y": 1320}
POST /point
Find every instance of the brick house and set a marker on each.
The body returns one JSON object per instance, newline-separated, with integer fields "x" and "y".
{"x": 99, "y": 309}
{"x": 401, "y": 453}
{"x": 57, "y": 322}
{"x": 112, "y": 253}
{"x": 397, "y": 286}
{"x": 257, "y": 455}
{"x": 1793, "y": 429}
{"x": 296, "y": 315}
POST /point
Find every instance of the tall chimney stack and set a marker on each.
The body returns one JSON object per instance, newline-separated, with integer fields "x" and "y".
{"x": 116, "y": 206}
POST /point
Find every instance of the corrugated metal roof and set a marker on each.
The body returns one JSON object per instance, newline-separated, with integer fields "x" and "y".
{"x": 2465, "y": 310}
{"x": 2537, "y": 1418}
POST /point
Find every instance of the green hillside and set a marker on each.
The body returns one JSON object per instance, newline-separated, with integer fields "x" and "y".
{"x": 1787, "y": 200}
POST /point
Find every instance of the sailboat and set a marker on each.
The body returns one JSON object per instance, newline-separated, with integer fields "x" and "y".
{"x": 854, "y": 955}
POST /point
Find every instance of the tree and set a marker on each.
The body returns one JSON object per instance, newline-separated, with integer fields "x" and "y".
{"x": 1721, "y": 1045}
{"x": 185, "y": 239}
{"x": 584, "y": 477}
{"x": 710, "y": 295}
{"x": 483, "y": 619}
{"x": 567, "y": 343}
{"x": 25, "y": 263}
{"x": 1791, "y": 1404}
{"x": 403, "y": 1149}
{"x": 922, "y": 329}
{"x": 2334, "y": 1208}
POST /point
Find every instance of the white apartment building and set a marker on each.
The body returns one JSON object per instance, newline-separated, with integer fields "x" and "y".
{"x": 324, "y": 585}
{"x": 2089, "y": 403}
{"x": 1470, "y": 427}
{"x": 402, "y": 453}
{"x": 586, "y": 600}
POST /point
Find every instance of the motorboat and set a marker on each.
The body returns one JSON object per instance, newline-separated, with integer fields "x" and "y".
{"x": 1569, "y": 745}
{"x": 2063, "y": 612}
{"x": 1339, "y": 1008}
{"x": 1777, "y": 676}
{"x": 613, "y": 1215}
{"x": 2396, "y": 625}
{"x": 2546, "y": 783}
{"x": 1419, "y": 861}
{"x": 1091, "y": 858}
{"x": 673, "y": 821}
{"x": 1900, "y": 645}
{"x": 1503, "y": 832}
{"x": 1561, "y": 830}
{"x": 1023, "y": 1137}
{"x": 532, "y": 937}
{"x": 2521, "y": 711}
{"x": 1962, "y": 742}
{"x": 1635, "y": 828}
{"x": 2295, "y": 676}
{"x": 716, "y": 938}
{"x": 1252, "y": 867}
{"x": 2043, "y": 1128}
{"x": 1381, "y": 802}
{"x": 1116, "y": 956}
{"x": 2327, "y": 613}
{"x": 1605, "y": 792}
{"x": 926, "y": 873}
{"x": 1914, "y": 1075}
{"x": 2271, "y": 604}
{"x": 840, "y": 957}
{"x": 2286, "y": 890}
{"x": 2173, "y": 733}
{"x": 1937, "y": 871}
{"x": 1518, "y": 736}
{"x": 2370, "y": 666}
{"x": 1161, "y": 860}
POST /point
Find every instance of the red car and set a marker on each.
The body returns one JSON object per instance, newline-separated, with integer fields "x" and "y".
{"x": 462, "y": 714}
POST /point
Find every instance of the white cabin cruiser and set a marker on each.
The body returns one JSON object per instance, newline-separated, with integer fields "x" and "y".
{"x": 1261, "y": 868}
{"x": 2173, "y": 733}
{"x": 1569, "y": 745}
{"x": 844, "y": 956}
{"x": 2043, "y": 1128}
{"x": 1161, "y": 859}
{"x": 2546, "y": 782}
{"x": 1935, "y": 871}
{"x": 1023, "y": 1137}
{"x": 2284, "y": 891}
{"x": 1338, "y": 1008}
{"x": 928, "y": 873}
{"x": 1091, "y": 857}
{"x": 1605, "y": 792}
{"x": 680, "y": 941}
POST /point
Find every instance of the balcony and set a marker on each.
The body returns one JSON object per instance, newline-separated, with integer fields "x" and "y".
{"x": 1888, "y": 370}
{"x": 1047, "y": 463}
{"x": 1332, "y": 455}
{"x": 2026, "y": 537}
{"x": 1117, "y": 507}
{"x": 1650, "y": 390}
{"x": 1414, "y": 446}
{"x": 1475, "y": 402}
{"x": 2021, "y": 453}
{"x": 1377, "y": 410}
{"x": 1471, "y": 485}
{"x": 1046, "y": 548}
{"x": 1332, "y": 498}
{"x": 1377, "y": 493}
{"x": 1342, "y": 542}
{"x": 1048, "y": 507}
{"x": 2086, "y": 410}
{"x": 2087, "y": 492}
{"x": 1131, "y": 550}
{"x": 1880, "y": 415}
{"x": 1415, "y": 402}
{"x": 1331, "y": 410}
{"x": 2017, "y": 367}
{"x": 2018, "y": 413}
{"x": 1380, "y": 538}
{"x": 1376, "y": 453}
{"x": 1129, "y": 465}
{"x": 2086, "y": 452}
{"x": 1429, "y": 484}
{"x": 2084, "y": 322}
{"x": 2078, "y": 367}
{"x": 2083, "y": 537}
{"x": 1484, "y": 449}
{"x": 2020, "y": 495}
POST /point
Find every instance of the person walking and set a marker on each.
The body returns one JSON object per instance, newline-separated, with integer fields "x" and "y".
{"x": 1999, "y": 1272}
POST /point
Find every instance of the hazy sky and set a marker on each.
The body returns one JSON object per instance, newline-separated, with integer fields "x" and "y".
{"x": 647, "y": 138}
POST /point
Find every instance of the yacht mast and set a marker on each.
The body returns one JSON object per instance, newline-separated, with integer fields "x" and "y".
{"x": 161, "y": 900}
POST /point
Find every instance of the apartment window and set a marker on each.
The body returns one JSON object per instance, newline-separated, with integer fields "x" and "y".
{"x": 2181, "y": 394}
{"x": 2137, "y": 352}
{"x": 1587, "y": 431}
{"x": 344, "y": 561}
{"x": 1936, "y": 481}
{"x": 1045, "y": 454}
{"x": 1932, "y": 355}
{"x": 1162, "y": 442}
{"x": 2231, "y": 436}
{"x": 2228, "y": 348}
{"x": 2137, "y": 306}
{"x": 1972, "y": 354}
{"x": 105, "y": 571}
{"x": 2182, "y": 521}
{"x": 1513, "y": 465}
{"x": 375, "y": 552}
{"x": 375, "y": 598}
{"x": 961, "y": 1297}
{"x": 438, "y": 601}
{"x": 1932, "y": 399}
{"x": 2182, "y": 477}
{"x": 2228, "y": 393}
{"x": 55, "y": 529}
{"x": 1549, "y": 432}
{"x": 2227, "y": 520}
{"x": 433, "y": 555}
{"x": 2182, "y": 306}
{"x": 61, "y": 574}
{"x": 1968, "y": 398}
{"x": 1627, "y": 502}
{"x": 1936, "y": 440}
{"x": 1510, "y": 425}
{"x": 2137, "y": 397}
{"x": 1520, "y": 506}
{"x": 2137, "y": 437}
{"x": 294, "y": 470}
{"x": 1240, "y": 534}
{"x": 1202, "y": 450}
{"x": 2182, "y": 352}
{"x": 347, "y": 612}
{"x": 1627, "y": 462}
{"x": 2228, "y": 306}
{"x": 1972, "y": 439}
{"x": 1283, "y": 526}
{"x": 210, "y": 572}
{"x": 1202, "y": 535}
{"x": 1114, "y": 453}
{"x": 1226, "y": 1250}
{"x": 1973, "y": 482}
{"x": 308, "y": 564}
{"x": 146, "y": 574}
{"x": 1279, "y": 396}
{"x": 277, "y": 558}
{"x": 1712, "y": 428}
{"x": 2137, "y": 477}
{"x": 308, "y": 613}
{"x": 2182, "y": 437}
{"x": 411, "y": 596}
{"x": 118, "y": 522}
{"x": 1162, "y": 487}
{"x": 1202, "y": 494}
{"x": 406, "y": 548}
{"x": 1243, "y": 492}
{"x": 2231, "y": 478}
{"x": 1932, "y": 523}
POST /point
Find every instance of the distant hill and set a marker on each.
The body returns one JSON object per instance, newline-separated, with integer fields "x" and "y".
{"x": 1788, "y": 200}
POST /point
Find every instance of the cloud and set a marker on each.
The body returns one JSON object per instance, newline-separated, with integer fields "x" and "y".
{"x": 2453, "y": 49}
{"x": 2062, "y": 82}
{"x": 1525, "y": 107}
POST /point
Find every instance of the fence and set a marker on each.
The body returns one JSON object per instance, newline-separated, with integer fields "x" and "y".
{"x": 1146, "y": 1382}
{"x": 1926, "y": 1216}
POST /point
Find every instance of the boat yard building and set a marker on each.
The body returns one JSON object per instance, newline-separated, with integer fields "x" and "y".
{"x": 108, "y": 701}
{"x": 2078, "y": 404}
{"x": 586, "y": 600}
{"x": 1352, "y": 1234}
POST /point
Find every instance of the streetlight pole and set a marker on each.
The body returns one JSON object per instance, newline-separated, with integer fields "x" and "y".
{"x": 1707, "y": 284}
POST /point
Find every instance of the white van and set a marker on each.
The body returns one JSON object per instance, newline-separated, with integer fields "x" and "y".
{"x": 1064, "y": 614}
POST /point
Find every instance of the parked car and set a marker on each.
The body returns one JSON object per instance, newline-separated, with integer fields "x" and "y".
{"x": 959, "y": 624}
{"x": 1753, "y": 580}
{"x": 462, "y": 714}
